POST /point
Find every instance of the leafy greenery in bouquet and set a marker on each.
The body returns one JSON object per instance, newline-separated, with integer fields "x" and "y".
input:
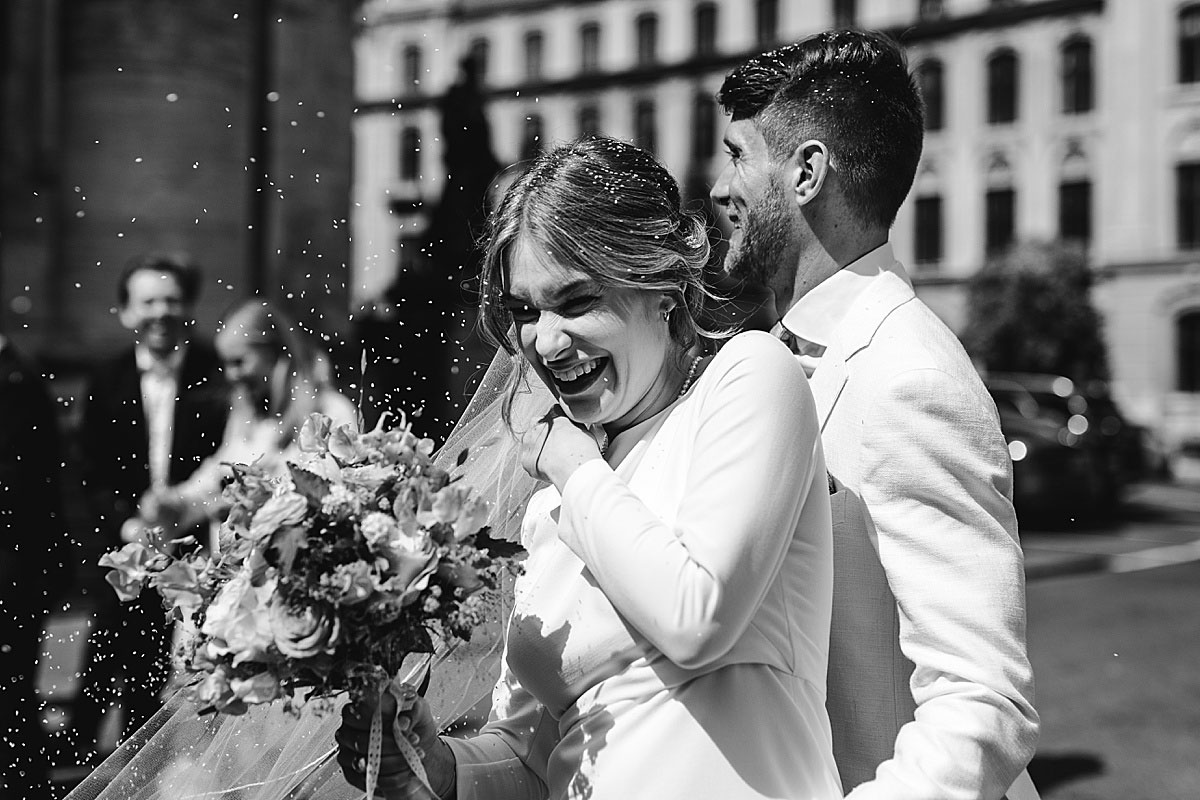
{"x": 327, "y": 577}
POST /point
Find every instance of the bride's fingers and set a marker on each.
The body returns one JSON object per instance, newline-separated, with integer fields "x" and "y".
{"x": 358, "y": 715}
{"x": 394, "y": 772}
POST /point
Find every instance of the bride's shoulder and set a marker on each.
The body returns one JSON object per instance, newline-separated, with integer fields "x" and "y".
{"x": 757, "y": 347}
{"x": 753, "y": 365}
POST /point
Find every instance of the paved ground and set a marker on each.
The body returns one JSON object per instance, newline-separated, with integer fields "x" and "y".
{"x": 1115, "y": 655}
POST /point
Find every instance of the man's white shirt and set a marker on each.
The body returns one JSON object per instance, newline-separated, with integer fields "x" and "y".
{"x": 160, "y": 387}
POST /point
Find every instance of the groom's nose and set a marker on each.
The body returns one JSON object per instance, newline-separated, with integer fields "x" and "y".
{"x": 720, "y": 189}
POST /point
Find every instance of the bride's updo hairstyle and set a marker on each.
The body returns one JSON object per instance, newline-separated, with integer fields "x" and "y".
{"x": 607, "y": 209}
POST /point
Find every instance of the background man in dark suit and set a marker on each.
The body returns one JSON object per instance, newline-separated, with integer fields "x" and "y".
{"x": 34, "y": 566}
{"x": 151, "y": 414}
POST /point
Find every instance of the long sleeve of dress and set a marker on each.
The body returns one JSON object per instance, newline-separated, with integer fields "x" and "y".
{"x": 507, "y": 760}
{"x": 947, "y": 539}
{"x": 692, "y": 588}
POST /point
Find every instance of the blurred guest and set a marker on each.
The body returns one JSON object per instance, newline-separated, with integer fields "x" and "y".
{"x": 277, "y": 376}
{"x": 152, "y": 413}
{"x": 33, "y": 567}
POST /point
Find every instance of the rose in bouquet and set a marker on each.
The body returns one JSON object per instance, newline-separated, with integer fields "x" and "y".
{"x": 327, "y": 577}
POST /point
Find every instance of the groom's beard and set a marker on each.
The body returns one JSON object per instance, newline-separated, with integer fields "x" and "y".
{"x": 763, "y": 252}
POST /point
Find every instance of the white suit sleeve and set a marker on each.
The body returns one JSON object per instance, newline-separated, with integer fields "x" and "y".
{"x": 691, "y": 589}
{"x": 947, "y": 539}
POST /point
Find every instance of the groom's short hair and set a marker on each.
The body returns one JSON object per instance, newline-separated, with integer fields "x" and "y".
{"x": 850, "y": 89}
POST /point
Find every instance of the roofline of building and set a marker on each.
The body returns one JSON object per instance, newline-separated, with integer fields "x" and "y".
{"x": 992, "y": 18}
{"x": 701, "y": 65}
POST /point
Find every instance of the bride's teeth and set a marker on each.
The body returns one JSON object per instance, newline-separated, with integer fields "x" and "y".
{"x": 575, "y": 372}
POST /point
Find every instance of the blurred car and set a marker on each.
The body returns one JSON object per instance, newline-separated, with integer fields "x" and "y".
{"x": 1055, "y": 471}
{"x": 1093, "y": 421}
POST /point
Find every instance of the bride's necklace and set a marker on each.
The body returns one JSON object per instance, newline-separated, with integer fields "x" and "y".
{"x": 687, "y": 384}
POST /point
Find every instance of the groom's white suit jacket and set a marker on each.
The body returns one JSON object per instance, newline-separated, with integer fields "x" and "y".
{"x": 930, "y": 691}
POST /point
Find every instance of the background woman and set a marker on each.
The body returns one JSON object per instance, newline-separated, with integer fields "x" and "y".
{"x": 277, "y": 376}
{"x": 670, "y": 631}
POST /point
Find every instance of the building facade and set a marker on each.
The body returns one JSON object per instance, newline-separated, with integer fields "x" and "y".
{"x": 1059, "y": 119}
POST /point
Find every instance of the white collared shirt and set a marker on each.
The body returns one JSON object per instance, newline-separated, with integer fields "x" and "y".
{"x": 816, "y": 315}
{"x": 160, "y": 387}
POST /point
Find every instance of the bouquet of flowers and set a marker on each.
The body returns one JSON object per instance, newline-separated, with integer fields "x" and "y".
{"x": 327, "y": 577}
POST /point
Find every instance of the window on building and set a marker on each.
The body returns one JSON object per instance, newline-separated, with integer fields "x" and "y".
{"x": 589, "y": 47}
{"x": 1187, "y": 349}
{"x": 589, "y": 120}
{"x": 706, "y": 29}
{"x": 1187, "y": 205}
{"x": 1002, "y": 87}
{"x": 1189, "y": 44}
{"x": 929, "y": 79}
{"x": 704, "y": 127}
{"x": 534, "y": 48}
{"x": 1075, "y": 210}
{"x": 645, "y": 128}
{"x": 647, "y": 39}
{"x": 478, "y": 52}
{"x": 411, "y": 77}
{"x": 1077, "y": 77}
{"x": 928, "y": 238}
{"x": 845, "y": 13}
{"x": 931, "y": 9}
{"x": 410, "y": 153}
{"x": 531, "y": 137}
{"x": 766, "y": 21}
{"x": 1000, "y": 225}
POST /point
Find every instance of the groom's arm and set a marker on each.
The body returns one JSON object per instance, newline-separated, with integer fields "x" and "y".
{"x": 938, "y": 484}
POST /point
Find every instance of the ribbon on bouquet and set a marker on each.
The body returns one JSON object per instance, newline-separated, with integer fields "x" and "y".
{"x": 405, "y": 695}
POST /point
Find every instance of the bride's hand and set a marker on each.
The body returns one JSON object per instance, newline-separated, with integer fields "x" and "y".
{"x": 555, "y": 447}
{"x": 396, "y": 779}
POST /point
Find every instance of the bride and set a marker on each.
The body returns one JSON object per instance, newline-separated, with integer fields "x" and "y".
{"x": 669, "y": 633}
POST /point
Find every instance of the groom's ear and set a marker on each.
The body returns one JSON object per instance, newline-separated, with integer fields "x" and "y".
{"x": 809, "y": 165}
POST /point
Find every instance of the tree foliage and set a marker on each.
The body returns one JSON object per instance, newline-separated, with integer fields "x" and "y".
{"x": 1030, "y": 310}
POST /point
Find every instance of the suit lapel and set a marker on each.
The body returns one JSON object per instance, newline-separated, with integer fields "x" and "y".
{"x": 828, "y": 381}
{"x": 887, "y": 292}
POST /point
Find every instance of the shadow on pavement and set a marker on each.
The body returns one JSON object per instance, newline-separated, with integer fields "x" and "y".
{"x": 1051, "y": 770}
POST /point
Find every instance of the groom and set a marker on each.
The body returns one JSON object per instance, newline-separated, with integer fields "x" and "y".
{"x": 930, "y": 692}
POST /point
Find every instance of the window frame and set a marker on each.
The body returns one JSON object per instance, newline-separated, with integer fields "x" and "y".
{"x": 1187, "y": 350}
{"x": 589, "y": 48}
{"x": 646, "y": 39}
{"x": 480, "y": 50}
{"x": 928, "y": 68}
{"x": 929, "y": 232}
{"x": 1000, "y": 233}
{"x": 411, "y": 60}
{"x": 1075, "y": 212}
{"x": 533, "y": 136}
{"x": 705, "y": 19}
{"x": 1187, "y": 205}
{"x": 1078, "y": 77}
{"x": 1003, "y": 87}
{"x": 534, "y": 51}
{"x": 645, "y": 124}
{"x": 1188, "y": 43}
{"x": 766, "y": 22}
{"x": 409, "y": 168}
